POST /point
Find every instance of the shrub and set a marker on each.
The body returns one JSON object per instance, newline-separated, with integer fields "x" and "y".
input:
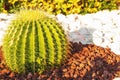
{"x": 34, "y": 42}
{"x": 64, "y": 6}
{"x": 1, "y": 5}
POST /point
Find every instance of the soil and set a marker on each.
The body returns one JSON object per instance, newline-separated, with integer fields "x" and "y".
{"x": 85, "y": 62}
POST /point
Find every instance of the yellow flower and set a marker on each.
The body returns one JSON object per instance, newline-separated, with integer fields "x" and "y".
{"x": 4, "y": 11}
{"x": 97, "y": 4}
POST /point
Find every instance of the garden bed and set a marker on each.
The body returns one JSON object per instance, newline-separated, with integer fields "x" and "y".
{"x": 85, "y": 62}
{"x": 87, "y": 59}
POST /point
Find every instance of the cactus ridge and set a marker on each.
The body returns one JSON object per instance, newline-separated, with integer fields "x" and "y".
{"x": 34, "y": 44}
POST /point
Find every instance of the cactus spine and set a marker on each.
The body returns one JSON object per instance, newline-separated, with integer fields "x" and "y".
{"x": 34, "y": 42}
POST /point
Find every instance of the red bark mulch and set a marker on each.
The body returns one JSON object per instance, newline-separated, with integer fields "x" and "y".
{"x": 86, "y": 62}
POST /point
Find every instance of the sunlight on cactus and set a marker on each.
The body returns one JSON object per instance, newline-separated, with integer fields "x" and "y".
{"x": 34, "y": 42}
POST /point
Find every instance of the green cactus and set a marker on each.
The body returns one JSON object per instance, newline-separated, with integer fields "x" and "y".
{"x": 34, "y": 42}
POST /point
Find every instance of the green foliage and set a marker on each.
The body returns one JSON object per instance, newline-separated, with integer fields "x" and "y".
{"x": 1, "y": 5}
{"x": 64, "y": 6}
{"x": 4, "y": 6}
{"x": 34, "y": 42}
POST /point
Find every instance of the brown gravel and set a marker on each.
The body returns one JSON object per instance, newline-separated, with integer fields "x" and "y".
{"x": 86, "y": 62}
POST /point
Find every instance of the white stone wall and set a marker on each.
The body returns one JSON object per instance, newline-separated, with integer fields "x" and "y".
{"x": 101, "y": 28}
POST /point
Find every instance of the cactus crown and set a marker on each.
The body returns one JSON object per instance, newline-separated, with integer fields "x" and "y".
{"x": 30, "y": 15}
{"x": 34, "y": 42}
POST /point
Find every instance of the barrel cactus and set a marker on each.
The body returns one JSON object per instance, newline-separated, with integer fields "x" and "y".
{"x": 34, "y": 42}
